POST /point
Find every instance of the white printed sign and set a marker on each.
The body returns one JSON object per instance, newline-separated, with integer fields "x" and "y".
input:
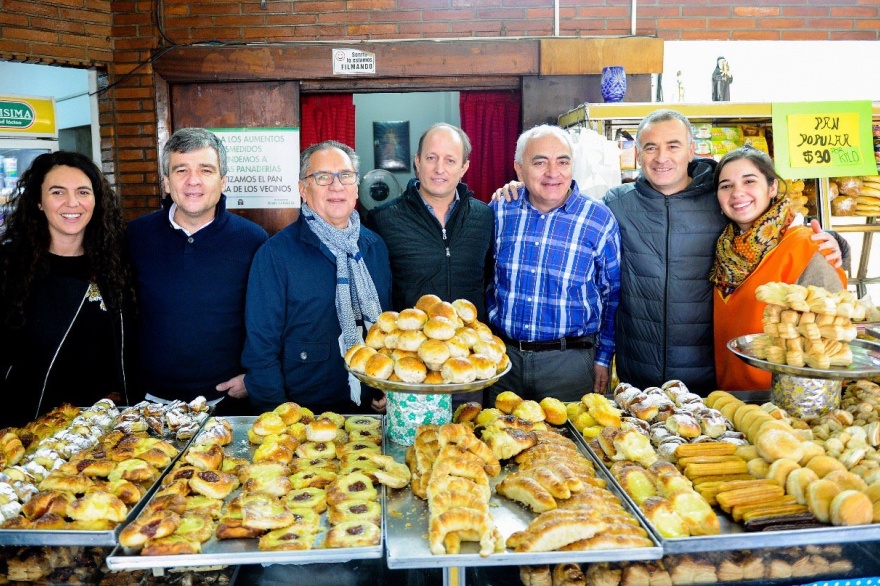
{"x": 262, "y": 167}
{"x": 353, "y": 62}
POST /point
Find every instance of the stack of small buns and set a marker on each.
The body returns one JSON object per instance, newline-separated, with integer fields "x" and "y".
{"x": 806, "y": 326}
{"x": 435, "y": 342}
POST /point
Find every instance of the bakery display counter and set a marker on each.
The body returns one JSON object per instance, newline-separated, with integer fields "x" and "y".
{"x": 226, "y": 552}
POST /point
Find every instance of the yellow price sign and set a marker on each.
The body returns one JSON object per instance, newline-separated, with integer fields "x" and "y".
{"x": 817, "y": 140}
{"x": 823, "y": 139}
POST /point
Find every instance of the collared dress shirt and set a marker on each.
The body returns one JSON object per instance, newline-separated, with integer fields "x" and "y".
{"x": 557, "y": 274}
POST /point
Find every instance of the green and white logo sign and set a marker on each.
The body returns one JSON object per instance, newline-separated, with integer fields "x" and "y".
{"x": 16, "y": 115}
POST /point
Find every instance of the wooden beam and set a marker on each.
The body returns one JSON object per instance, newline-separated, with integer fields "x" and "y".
{"x": 361, "y": 85}
{"x": 589, "y": 56}
{"x": 313, "y": 61}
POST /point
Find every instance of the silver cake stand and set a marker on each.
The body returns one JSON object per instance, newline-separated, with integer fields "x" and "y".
{"x": 809, "y": 392}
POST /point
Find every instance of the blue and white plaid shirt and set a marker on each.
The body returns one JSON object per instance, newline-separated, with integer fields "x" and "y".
{"x": 556, "y": 274}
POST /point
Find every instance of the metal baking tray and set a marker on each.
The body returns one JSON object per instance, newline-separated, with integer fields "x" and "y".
{"x": 68, "y": 537}
{"x": 406, "y": 530}
{"x": 733, "y": 536}
{"x": 865, "y": 364}
{"x": 423, "y": 389}
{"x": 244, "y": 551}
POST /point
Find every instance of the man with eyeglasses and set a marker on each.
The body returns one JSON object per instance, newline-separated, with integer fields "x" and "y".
{"x": 191, "y": 261}
{"x": 313, "y": 289}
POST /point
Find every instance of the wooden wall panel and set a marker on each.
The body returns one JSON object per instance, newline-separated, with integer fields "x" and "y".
{"x": 273, "y": 104}
{"x": 586, "y": 56}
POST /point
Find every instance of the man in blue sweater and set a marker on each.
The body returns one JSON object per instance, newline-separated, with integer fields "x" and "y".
{"x": 191, "y": 260}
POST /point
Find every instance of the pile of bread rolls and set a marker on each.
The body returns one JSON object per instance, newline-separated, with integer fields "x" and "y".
{"x": 806, "y": 326}
{"x": 435, "y": 342}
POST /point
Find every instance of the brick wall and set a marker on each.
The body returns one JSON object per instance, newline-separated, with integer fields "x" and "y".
{"x": 119, "y": 36}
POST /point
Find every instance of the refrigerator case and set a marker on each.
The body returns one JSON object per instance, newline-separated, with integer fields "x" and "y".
{"x": 28, "y": 128}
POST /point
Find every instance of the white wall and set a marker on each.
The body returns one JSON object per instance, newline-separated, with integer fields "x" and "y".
{"x": 775, "y": 71}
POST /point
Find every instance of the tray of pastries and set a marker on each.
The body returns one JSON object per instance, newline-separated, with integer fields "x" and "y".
{"x": 288, "y": 486}
{"x": 767, "y": 477}
{"x": 76, "y": 475}
{"x": 503, "y": 486}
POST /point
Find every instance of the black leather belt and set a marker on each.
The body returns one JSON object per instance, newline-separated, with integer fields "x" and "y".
{"x": 567, "y": 343}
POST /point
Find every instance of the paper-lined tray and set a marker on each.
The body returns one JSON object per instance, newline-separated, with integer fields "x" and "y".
{"x": 406, "y": 529}
{"x": 244, "y": 551}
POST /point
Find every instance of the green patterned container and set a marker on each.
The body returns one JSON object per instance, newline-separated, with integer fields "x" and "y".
{"x": 804, "y": 397}
{"x": 405, "y": 412}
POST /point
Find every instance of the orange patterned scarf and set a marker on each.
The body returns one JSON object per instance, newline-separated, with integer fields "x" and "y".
{"x": 737, "y": 255}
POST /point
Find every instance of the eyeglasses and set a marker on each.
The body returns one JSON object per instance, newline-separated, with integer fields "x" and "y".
{"x": 324, "y": 179}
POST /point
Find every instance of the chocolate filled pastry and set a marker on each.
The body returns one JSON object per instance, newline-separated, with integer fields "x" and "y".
{"x": 307, "y": 498}
{"x": 366, "y": 435}
{"x": 354, "y": 534}
{"x": 325, "y": 449}
{"x": 300, "y": 464}
{"x": 360, "y": 422}
{"x": 97, "y": 505}
{"x": 89, "y": 467}
{"x": 356, "y": 446}
{"x": 311, "y": 479}
{"x": 294, "y": 538}
{"x": 355, "y": 510}
{"x": 351, "y": 486}
{"x": 214, "y": 484}
{"x": 151, "y": 526}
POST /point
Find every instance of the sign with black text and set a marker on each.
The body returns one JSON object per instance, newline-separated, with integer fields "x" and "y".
{"x": 262, "y": 167}
{"x": 353, "y": 62}
{"x": 823, "y": 139}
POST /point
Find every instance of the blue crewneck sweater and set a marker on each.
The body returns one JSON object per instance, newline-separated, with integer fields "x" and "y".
{"x": 191, "y": 296}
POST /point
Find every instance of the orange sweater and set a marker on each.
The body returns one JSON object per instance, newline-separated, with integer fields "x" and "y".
{"x": 740, "y": 313}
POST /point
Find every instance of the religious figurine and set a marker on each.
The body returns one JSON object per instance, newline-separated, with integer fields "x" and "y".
{"x": 721, "y": 80}
{"x": 680, "y": 84}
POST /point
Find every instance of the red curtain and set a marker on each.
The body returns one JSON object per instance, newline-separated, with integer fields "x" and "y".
{"x": 326, "y": 117}
{"x": 492, "y": 122}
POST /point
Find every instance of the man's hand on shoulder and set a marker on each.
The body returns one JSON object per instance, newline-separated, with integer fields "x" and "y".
{"x": 828, "y": 245}
{"x": 509, "y": 192}
{"x": 235, "y": 387}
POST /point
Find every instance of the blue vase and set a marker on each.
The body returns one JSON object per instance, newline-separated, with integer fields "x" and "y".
{"x": 613, "y": 83}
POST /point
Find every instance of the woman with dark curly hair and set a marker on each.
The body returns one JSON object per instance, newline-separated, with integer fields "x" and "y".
{"x": 65, "y": 290}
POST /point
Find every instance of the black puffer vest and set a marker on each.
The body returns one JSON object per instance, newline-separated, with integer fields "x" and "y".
{"x": 664, "y": 320}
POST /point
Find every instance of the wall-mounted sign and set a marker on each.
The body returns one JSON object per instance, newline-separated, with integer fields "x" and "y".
{"x": 353, "y": 62}
{"x": 823, "y": 139}
{"x": 28, "y": 116}
{"x": 262, "y": 167}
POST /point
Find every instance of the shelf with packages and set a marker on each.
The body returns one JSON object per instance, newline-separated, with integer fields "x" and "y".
{"x": 612, "y": 118}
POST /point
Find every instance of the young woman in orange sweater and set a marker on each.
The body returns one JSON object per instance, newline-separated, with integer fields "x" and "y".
{"x": 761, "y": 244}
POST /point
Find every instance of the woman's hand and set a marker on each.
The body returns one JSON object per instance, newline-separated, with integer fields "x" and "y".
{"x": 508, "y": 192}
{"x": 828, "y": 245}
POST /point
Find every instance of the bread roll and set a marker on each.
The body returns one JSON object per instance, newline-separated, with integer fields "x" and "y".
{"x": 410, "y": 370}
{"x": 458, "y": 370}
{"x": 411, "y": 319}
{"x": 425, "y": 302}
{"x": 439, "y": 327}
{"x": 484, "y": 366}
{"x": 387, "y": 321}
{"x": 458, "y": 346}
{"x": 379, "y": 366}
{"x": 434, "y": 353}
{"x": 434, "y": 378}
{"x": 820, "y": 493}
{"x": 490, "y": 349}
{"x": 443, "y": 309}
{"x": 410, "y": 340}
{"x": 375, "y": 337}
{"x": 466, "y": 310}
{"x": 359, "y": 359}
{"x": 824, "y": 465}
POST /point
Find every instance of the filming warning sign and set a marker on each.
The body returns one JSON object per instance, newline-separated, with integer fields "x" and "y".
{"x": 262, "y": 167}
{"x": 353, "y": 62}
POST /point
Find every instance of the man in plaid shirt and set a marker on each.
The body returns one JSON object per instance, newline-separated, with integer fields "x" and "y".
{"x": 557, "y": 276}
